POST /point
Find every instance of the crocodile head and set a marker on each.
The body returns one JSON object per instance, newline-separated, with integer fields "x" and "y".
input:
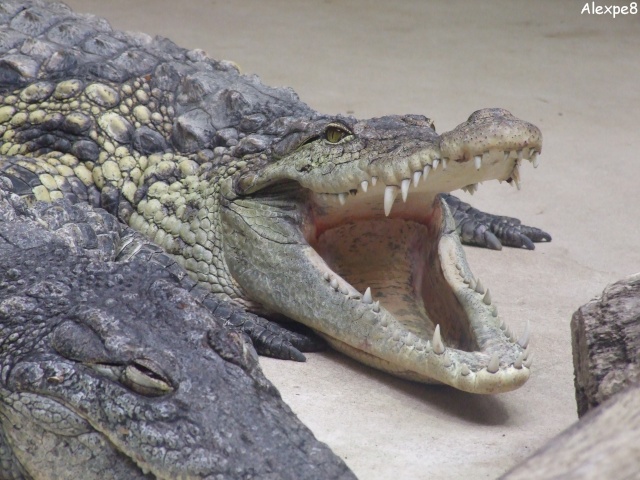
{"x": 111, "y": 371}
{"x": 362, "y": 250}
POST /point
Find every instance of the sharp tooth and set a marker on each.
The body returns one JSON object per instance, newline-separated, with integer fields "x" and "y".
{"x": 477, "y": 160}
{"x": 464, "y": 370}
{"x": 425, "y": 172}
{"x": 535, "y": 160}
{"x": 472, "y": 284}
{"x": 503, "y": 326}
{"x": 494, "y": 364}
{"x": 518, "y": 363}
{"x": 435, "y": 163}
{"x": 444, "y": 164}
{"x": 334, "y": 284}
{"x": 343, "y": 198}
{"x": 326, "y": 276}
{"x": 344, "y": 291}
{"x": 471, "y": 189}
{"x": 506, "y": 156}
{"x": 390, "y": 193}
{"x": 446, "y": 360}
{"x": 376, "y": 307}
{"x": 438, "y": 346}
{"x": 367, "y": 296}
{"x": 364, "y": 185}
{"x": 527, "y": 351}
{"x": 494, "y": 312}
{"x": 479, "y": 287}
{"x": 487, "y": 298}
{"x": 374, "y": 180}
{"x": 404, "y": 186}
{"x": 528, "y": 361}
{"x": 515, "y": 175}
{"x": 416, "y": 178}
{"x": 523, "y": 341}
{"x": 520, "y": 155}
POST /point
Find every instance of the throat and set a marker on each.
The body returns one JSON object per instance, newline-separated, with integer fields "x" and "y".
{"x": 398, "y": 261}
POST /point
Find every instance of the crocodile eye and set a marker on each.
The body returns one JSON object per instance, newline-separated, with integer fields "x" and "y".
{"x": 334, "y": 133}
{"x": 144, "y": 377}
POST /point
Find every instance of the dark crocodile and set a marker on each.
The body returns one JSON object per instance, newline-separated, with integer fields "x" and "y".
{"x": 112, "y": 370}
{"x": 333, "y": 222}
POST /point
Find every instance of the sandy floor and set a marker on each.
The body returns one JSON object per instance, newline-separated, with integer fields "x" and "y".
{"x": 575, "y": 76}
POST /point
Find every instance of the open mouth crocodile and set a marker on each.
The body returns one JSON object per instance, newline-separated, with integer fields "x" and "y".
{"x": 336, "y": 223}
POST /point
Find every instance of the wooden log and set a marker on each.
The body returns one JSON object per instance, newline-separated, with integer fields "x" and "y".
{"x": 604, "y": 444}
{"x": 606, "y": 343}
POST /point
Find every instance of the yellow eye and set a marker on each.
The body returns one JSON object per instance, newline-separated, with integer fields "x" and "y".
{"x": 333, "y": 133}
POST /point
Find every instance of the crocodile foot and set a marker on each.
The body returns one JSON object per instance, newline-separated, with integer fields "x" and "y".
{"x": 492, "y": 231}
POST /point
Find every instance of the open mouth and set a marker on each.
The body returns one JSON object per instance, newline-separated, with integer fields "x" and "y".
{"x": 380, "y": 273}
{"x": 396, "y": 247}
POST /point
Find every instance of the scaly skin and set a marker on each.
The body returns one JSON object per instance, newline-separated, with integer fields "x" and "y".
{"x": 111, "y": 370}
{"x": 265, "y": 201}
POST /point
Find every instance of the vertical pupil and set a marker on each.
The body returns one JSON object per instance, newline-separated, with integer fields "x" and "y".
{"x": 334, "y": 135}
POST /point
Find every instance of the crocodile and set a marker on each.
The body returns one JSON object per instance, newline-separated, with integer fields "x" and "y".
{"x": 137, "y": 380}
{"x": 344, "y": 226}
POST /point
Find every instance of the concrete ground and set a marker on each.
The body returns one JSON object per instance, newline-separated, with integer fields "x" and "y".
{"x": 575, "y": 75}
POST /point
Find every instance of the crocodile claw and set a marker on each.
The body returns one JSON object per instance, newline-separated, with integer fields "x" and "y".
{"x": 492, "y": 231}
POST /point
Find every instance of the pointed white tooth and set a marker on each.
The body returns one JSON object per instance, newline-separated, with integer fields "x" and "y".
{"x": 517, "y": 182}
{"x": 446, "y": 360}
{"x": 506, "y": 156}
{"x": 535, "y": 160}
{"x": 334, "y": 284}
{"x": 444, "y": 164}
{"x": 404, "y": 187}
{"x": 503, "y": 326}
{"x": 487, "y": 298}
{"x": 528, "y": 361}
{"x": 390, "y": 193}
{"x": 464, "y": 370}
{"x": 479, "y": 287}
{"x": 364, "y": 185}
{"x": 428, "y": 347}
{"x": 494, "y": 310}
{"x": 520, "y": 155}
{"x": 472, "y": 284}
{"x": 435, "y": 163}
{"x": 376, "y": 307}
{"x": 344, "y": 291}
{"x": 527, "y": 351}
{"x": 515, "y": 175}
{"x": 438, "y": 346}
{"x": 374, "y": 180}
{"x": 416, "y": 178}
{"x": 523, "y": 341}
{"x": 494, "y": 364}
{"x": 518, "y": 363}
{"x": 512, "y": 336}
{"x": 326, "y": 276}
{"x": 425, "y": 172}
{"x": 343, "y": 198}
{"x": 477, "y": 160}
{"x": 367, "y": 296}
